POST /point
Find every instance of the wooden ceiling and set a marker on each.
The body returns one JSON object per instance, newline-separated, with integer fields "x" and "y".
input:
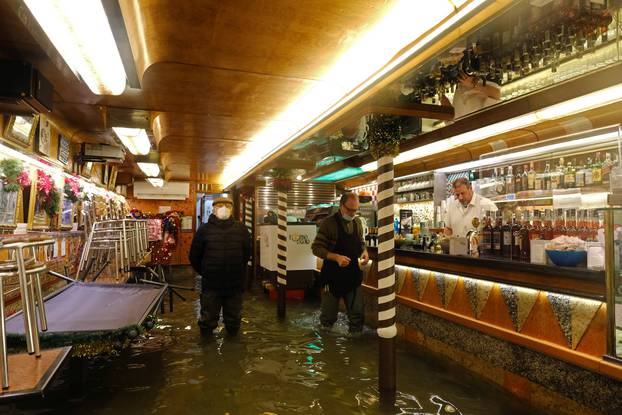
{"x": 213, "y": 73}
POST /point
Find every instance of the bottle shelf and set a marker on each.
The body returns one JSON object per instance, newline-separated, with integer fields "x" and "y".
{"x": 542, "y": 195}
{"x": 415, "y": 201}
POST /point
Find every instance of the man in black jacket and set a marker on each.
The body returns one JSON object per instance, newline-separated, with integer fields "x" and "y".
{"x": 219, "y": 252}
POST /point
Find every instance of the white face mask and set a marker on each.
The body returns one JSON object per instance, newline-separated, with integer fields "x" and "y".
{"x": 347, "y": 218}
{"x": 223, "y": 213}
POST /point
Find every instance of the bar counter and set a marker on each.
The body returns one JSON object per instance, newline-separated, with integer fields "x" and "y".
{"x": 580, "y": 282}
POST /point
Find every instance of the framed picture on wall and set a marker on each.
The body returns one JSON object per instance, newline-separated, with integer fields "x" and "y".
{"x": 63, "y": 149}
{"x": 9, "y": 205}
{"x": 45, "y": 136}
{"x": 66, "y": 214}
{"x": 21, "y": 129}
{"x": 38, "y": 219}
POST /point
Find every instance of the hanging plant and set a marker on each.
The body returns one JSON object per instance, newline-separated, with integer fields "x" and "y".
{"x": 281, "y": 178}
{"x": 72, "y": 189}
{"x": 384, "y": 135}
{"x": 14, "y": 175}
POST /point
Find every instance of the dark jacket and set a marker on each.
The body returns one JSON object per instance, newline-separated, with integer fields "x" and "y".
{"x": 219, "y": 252}
{"x": 327, "y": 234}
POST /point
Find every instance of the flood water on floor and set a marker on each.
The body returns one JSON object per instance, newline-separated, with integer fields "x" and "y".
{"x": 272, "y": 367}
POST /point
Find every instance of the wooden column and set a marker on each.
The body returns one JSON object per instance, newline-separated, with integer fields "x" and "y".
{"x": 282, "y": 252}
{"x": 386, "y": 283}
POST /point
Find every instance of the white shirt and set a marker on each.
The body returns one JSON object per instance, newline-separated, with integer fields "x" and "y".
{"x": 460, "y": 218}
{"x": 467, "y": 100}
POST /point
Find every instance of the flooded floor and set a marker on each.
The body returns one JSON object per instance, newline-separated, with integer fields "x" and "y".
{"x": 272, "y": 367}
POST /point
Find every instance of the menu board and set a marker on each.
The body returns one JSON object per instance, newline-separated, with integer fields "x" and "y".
{"x": 406, "y": 220}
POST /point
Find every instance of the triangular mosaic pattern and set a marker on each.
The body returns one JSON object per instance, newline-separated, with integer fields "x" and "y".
{"x": 446, "y": 285}
{"x": 401, "y": 273}
{"x": 520, "y": 301}
{"x": 420, "y": 281}
{"x": 478, "y": 292}
{"x": 574, "y": 315}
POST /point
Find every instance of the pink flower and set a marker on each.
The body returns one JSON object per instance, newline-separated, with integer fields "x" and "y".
{"x": 44, "y": 182}
{"x": 23, "y": 179}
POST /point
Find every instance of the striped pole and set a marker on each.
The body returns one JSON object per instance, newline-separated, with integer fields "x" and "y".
{"x": 281, "y": 277}
{"x": 248, "y": 222}
{"x": 386, "y": 282}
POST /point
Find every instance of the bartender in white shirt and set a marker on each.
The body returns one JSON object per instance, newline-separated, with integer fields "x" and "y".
{"x": 466, "y": 206}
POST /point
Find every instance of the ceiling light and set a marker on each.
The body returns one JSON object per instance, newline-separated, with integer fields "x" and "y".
{"x": 134, "y": 139}
{"x": 371, "y": 58}
{"x": 81, "y": 33}
{"x": 299, "y": 177}
{"x": 150, "y": 169}
{"x": 156, "y": 181}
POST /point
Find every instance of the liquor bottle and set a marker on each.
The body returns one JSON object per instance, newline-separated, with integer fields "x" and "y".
{"x": 535, "y": 231}
{"x": 518, "y": 181}
{"x": 547, "y": 229}
{"x": 486, "y": 245}
{"x": 569, "y": 176}
{"x": 493, "y": 178}
{"x": 556, "y": 179}
{"x": 507, "y": 240}
{"x": 588, "y": 172}
{"x": 571, "y": 223}
{"x": 500, "y": 183}
{"x": 559, "y": 228}
{"x": 607, "y": 166}
{"x": 582, "y": 225}
{"x": 561, "y": 170}
{"x": 580, "y": 176}
{"x": 496, "y": 234}
{"x": 546, "y": 176}
{"x": 524, "y": 236}
{"x": 597, "y": 172}
{"x": 525, "y": 179}
{"x": 516, "y": 241}
{"x": 509, "y": 181}
{"x": 531, "y": 178}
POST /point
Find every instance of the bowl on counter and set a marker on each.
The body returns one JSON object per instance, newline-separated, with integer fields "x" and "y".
{"x": 566, "y": 258}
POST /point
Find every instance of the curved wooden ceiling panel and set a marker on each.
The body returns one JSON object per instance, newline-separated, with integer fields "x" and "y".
{"x": 279, "y": 38}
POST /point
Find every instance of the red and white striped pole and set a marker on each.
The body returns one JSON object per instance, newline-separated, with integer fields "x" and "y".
{"x": 387, "y": 330}
{"x": 281, "y": 277}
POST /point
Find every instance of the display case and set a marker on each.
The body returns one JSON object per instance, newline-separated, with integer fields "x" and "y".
{"x": 613, "y": 236}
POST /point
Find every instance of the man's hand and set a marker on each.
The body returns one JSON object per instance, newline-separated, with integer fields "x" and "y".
{"x": 364, "y": 258}
{"x": 342, "y": 261}
{"x": 448, "y": 231}
{"x": 466, "y": 80}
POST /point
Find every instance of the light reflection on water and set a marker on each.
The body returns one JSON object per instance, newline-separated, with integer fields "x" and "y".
{"x": 272, "y": 367}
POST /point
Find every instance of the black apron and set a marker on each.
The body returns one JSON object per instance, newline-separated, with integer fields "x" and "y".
{"x": 342, "y": 280}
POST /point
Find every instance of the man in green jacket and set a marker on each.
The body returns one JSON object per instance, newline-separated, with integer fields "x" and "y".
{"x": 340, "y": 243}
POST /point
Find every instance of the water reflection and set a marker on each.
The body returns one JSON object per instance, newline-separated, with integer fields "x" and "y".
{"x": 272, "y": 367}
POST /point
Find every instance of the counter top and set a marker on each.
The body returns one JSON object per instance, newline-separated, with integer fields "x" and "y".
{"x": 581, "y": 282}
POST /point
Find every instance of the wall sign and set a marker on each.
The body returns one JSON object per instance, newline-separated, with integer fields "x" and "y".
{"x": 63, "y": 149}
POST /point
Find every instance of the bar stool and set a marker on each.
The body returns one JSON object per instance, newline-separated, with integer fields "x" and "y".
{"x": 27, "y": 269}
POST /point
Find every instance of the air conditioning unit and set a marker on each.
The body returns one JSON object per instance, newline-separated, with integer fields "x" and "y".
{"x": 170, "y": 191}
{"x": 101, "y": 153}
{"x": 23, "y": 83}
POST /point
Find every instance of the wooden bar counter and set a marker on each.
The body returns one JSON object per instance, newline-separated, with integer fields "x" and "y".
{"x": 534, "y": 329}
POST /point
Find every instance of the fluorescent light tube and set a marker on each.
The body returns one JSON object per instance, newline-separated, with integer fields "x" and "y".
{"x": 134, "y": 139}
{"x": 150, "y": 169}
{"x": 80, "y": 31}
{"x": 156, "y": 182}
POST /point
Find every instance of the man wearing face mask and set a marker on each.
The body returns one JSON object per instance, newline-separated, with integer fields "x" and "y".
{"x": 466, "y": 206}
{"x": 340, "y": 243}
{"x": 219, "y": 252}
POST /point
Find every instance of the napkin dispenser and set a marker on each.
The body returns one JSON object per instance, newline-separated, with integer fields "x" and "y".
{"x": 459, "y": 246}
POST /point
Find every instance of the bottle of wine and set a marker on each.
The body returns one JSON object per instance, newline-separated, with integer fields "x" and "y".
{"x": 497, "y": 235}
{"x": 518, "y": 180}
{"x": 525, "y": 179}
{"x": 548, "y": 185}
{"x": 507, "y": 240}
{"x": 580, "y": 176}
{"x": 588, "y": 172}
{"x": 569, "y": 176}
{"x": 486, "y": 245}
